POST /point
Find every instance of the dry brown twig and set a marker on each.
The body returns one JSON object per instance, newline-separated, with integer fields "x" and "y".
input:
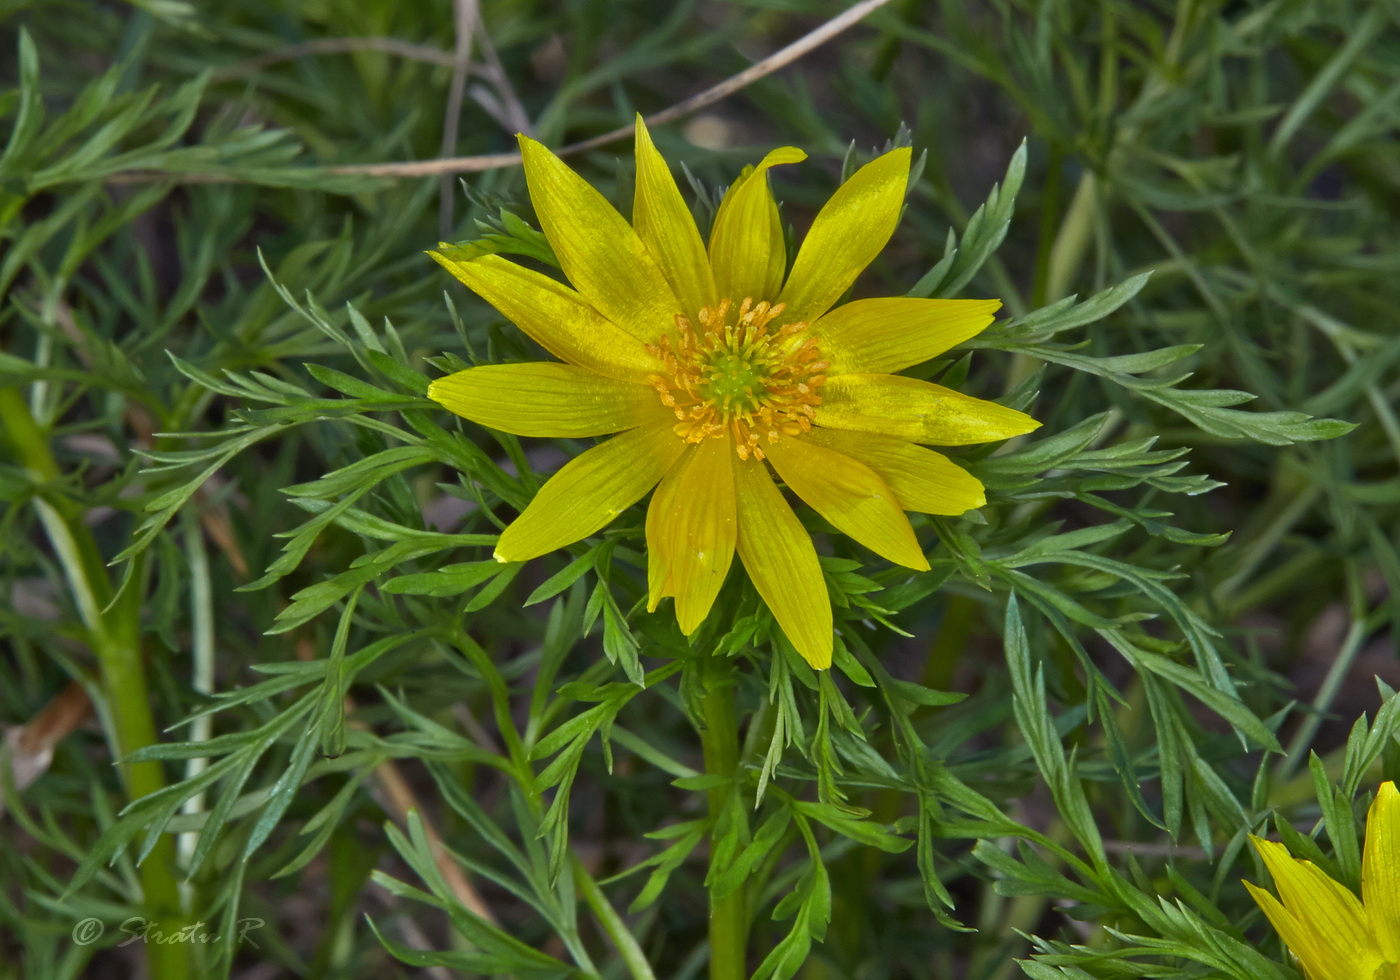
{"x": 512, "y": 111}
{"x": 401, "y": 802}
{"x": 491, "y": 161}
{"x": 467, "y": 15}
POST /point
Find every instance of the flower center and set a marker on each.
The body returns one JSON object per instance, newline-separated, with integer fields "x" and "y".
{"x": 739, "y": 378}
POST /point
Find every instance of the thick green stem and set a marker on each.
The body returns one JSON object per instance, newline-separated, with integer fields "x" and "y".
{"x": 129, "y": 704}
{"x": 729, "y": 921}
{"x": 114, "y": 632}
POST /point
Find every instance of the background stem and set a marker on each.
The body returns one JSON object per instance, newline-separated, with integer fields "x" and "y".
{"x": 729, "y": 923}
{"x": 114, "y": 633}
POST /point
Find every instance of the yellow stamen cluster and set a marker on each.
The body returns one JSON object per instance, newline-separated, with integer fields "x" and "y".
{"x": 740, "y": 378}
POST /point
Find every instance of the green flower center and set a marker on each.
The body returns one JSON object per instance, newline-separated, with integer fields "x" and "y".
{"x": 732, "y": 382}
{"x": 740, "y": 379}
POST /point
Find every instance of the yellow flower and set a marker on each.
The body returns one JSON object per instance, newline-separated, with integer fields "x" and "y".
{"x": 710, "y": 367}
{"x": 1333, "y": 935}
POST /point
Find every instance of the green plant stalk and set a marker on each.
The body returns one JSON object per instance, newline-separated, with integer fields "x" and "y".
{"x": 114, "y": 630}
{"x": 719, "y": 737}
{"x": 1072, "y": 240}
{"x": 1057, "y": 268}
{"x": 623, "y": 940}
{"x": 129, "y": 704}
{"x": 1297, "y": 751}
{"x": 1050, "y": 203}
{"x": 1287, "y": 505}
{"x": 202, "y": 680}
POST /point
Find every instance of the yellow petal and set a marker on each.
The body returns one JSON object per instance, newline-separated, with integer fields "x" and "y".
{"x": 1380, "y": 870}
{"x": 918, "y": 411}
{"x": 886, "y": 335}
{"x": 779, "y": 557}
{"x": 591, "y": 490}
{"x": 921, "y": 479}
{"x": 1327, "y": 910}
{"x": 665, "y": 225}
{"x": 597, "y": 249}
{"x": 554, "y": 316}
{"x": 691, "y": 531}
{"x": 746, "y": 243}
{"x": 850, "y": 495}
{"x": 847, "y": 235}
{"x": 546, "y": 399}
{"x": 1311, "y": 949}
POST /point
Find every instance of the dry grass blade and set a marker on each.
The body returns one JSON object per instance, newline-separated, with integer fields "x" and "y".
{"x": 28, "y": 748}
{"x": 467, "y": 15}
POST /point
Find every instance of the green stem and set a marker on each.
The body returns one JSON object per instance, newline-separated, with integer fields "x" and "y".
{"x": 626, "y": 943}
{"x": 719, "y": 736}
{"x": 1057, "y": 268}
{"x": 114, "y": 632}
{"x": 1291, "y": 498}
{"x": 1072, "y": 241}
{"x": 1049, "y": 205}
{"x": 1297, "y": 749}
{"x": 129, "y": 703}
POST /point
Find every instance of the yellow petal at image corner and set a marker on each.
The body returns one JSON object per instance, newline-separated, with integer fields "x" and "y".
{"x": 1313, "y": 950}
{"x": 782, "y": 563}
{"x": 545, "y": 399}
{"x": 598, "y": 250}
{"x": 918, "y": 411}
{"x": 1380, "y": 870}
{"x": 692, "y": 530}
{"x": 747, "y": 254}
{"x": 1325, "y": 908}
{"x": 667, "y": 228}
{"x": 851, "y": 496}
{"x": 590, "y": 490}
{"x": 553, "y": 316}
{"x": 889, "y": 334}
{"x": 849, "y": 231}
{"x": 922, "y": 480}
